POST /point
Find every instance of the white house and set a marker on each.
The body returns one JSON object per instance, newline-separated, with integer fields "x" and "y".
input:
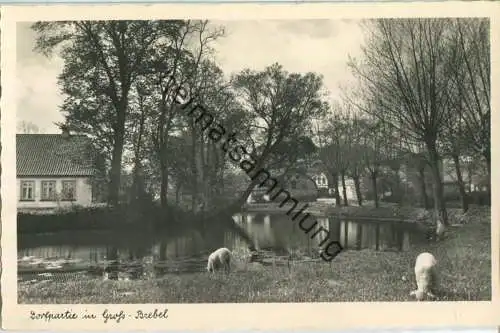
{"x": 53, "y": 170}
{"x": 321, "y": 180}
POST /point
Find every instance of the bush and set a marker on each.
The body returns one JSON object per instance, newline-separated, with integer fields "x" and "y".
{"x": 99, "y": 218}
{"x": 481, "y": 198}
{"x": 323, "y": 193}
{"x": 392, "y": 199}
{"x": 422, "y": 216}
{"x": 452, "y": 196}
{"x": 70, "y": 218}
{"x": 478, "y": 198}
{"x": 306, "y": 198}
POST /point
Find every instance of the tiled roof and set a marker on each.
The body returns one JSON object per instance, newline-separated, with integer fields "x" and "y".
{"x": 53, "y": 155}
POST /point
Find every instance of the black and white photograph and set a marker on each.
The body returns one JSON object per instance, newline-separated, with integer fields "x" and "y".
{"x": 274, "y": 160}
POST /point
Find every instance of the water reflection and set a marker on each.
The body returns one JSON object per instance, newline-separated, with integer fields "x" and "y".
{"x": 354, "y": 235}
{"x": 184, "y": 250}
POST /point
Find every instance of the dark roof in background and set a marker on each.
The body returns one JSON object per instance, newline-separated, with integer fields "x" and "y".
{"x": 53, "y": 155}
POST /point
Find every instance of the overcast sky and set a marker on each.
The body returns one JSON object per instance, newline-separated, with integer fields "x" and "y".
{"x": 321, "y": 46}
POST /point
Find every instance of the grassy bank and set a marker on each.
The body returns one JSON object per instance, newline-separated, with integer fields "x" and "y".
{"x": 327, "y": 209}
{"x": 386, "y": 211}
{"x": 464, "y": 259}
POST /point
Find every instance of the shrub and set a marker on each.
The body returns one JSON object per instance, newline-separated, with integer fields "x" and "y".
{"x": 452, "y": 196}
{"x": 323, "y": 193}
{"x": 392, "y": 199}
{"x": 481, "y": 198}
{"x": 85, "y": 218}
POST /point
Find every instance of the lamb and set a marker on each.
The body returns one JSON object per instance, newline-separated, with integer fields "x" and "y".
{"x": 426, "y": 276}
{"x": 220, "y": 258}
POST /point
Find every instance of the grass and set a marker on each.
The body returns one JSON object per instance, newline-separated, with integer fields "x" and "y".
{"x": 464, "y": 260}
{"x": 386, "y": 211}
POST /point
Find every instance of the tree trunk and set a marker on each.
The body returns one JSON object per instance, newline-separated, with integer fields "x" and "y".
{"x": 344, "y": 189}
{"x": 202, "y": 176}
{"x": 439, "y": 203}
{"x": 487, "y": 157}
{"x": 163, "y": 251}
{"x": 113, "y": 259}
{"x": 335, "y": 177}
{"x": 357, "y": 186}
{"x": 423, "y": 189}
{"x": 218, "y": 174}
{"x": 164, "y": 186}
{"x": 163, "y": 142}
{"x": 138, "y": 182}
{"x": 194, "y": 168}
{"x": 398, "y": 191}
{"x": 138, "y": 187}
{"x": 177, "y": 194}
{"x": 461, "y": 184}
{"x": 469, "y": 178}
{"x": 373, "y": 177}
{"x": 121, "y": 107}
{"x": 116, "y": 166}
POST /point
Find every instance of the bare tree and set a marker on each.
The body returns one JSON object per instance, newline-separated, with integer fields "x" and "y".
{"x": 405, "y": 72}
{"x": 332, "y": 154}
{"x": 27, "y": 127}
{"x": 471, "y": 82}
{"x": 374, "y": 152}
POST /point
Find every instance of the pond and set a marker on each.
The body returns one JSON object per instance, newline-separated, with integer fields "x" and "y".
{"x": 185, "y": 250}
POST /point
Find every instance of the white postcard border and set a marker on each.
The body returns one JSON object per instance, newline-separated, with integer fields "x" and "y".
{"x": 268, "y": 316}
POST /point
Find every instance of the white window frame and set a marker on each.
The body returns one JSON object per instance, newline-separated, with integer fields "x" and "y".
{"x": 53, "y": 197}
{"x": 24, "y": 185}
{"x": 63, "y": 194}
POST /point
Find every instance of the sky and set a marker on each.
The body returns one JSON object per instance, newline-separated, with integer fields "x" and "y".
{"x": 320, "y": 46}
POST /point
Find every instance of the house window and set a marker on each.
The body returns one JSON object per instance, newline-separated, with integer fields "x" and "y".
{"x": 68, "y": 190}
{"x": 27, "y": 190}
{"x": 48, "y": 190}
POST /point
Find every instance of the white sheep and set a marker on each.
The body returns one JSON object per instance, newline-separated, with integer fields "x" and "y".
{"x": 220, "y": 258}
{"x": 425, "y": 275}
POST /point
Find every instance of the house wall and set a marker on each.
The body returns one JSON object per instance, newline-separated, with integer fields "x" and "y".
{"x": 83, "y": 193}
{"x": 304, "y": 187}
{"x": 350, "y": 189}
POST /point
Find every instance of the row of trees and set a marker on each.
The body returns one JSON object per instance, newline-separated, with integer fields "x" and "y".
{"x": 428, "y": 81}
{"x": 352, "y": 145}
{"x": 422, "y": 94}
{"x": 119, "y": 79}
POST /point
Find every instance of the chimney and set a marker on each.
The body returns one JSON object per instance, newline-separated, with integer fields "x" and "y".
{"x": 65, "y": 131}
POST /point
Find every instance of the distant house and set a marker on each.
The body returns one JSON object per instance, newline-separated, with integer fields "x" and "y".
{"x": 326, "y": 185}
{"x": 318, "y": 173}
{"x": 300, "y": 187}
{"x": 54, "y": 170}
{"x": 320, "y": 179}
{"x": 474, "y": 179}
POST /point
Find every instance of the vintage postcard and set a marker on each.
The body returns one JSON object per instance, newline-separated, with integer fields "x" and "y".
{"x": 263, "y": 167}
